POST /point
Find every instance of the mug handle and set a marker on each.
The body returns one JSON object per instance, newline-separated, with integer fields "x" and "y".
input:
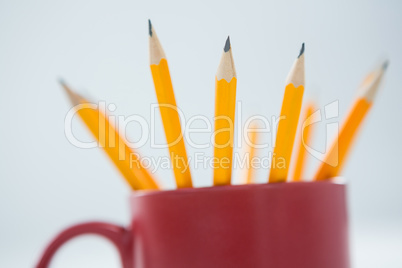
{"x": 119, "y": 236}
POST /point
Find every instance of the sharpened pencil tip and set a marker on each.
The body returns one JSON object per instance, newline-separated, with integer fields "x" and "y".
{"x": 385, "y": 65}
{"x": 301, "y": 51}
{"x": 227, "y": 45}
{"x": 150, "y": 28}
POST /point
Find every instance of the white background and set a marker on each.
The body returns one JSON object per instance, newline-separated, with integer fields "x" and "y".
{"x": 101, "y": 48}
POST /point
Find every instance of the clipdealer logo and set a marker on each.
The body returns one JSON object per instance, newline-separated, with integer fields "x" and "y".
{"x": 108, "y": 123}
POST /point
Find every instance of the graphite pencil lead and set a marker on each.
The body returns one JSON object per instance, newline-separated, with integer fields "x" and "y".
{"x": 74, "y": 98}
{"x": 385, "y": 65}
{"x": 62, "y": 82}
{"x": 301, "y": 51}
{"x": 150, "y": 28}
{"x": 227, "y": 45}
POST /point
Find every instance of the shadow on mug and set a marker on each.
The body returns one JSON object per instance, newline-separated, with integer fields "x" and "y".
{"x": 300, "y": 224}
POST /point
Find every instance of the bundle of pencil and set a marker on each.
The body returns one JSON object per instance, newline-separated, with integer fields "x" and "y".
{"x": 225, "y": 103}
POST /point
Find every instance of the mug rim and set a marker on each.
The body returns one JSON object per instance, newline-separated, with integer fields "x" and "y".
{"x": 236, "y": 187}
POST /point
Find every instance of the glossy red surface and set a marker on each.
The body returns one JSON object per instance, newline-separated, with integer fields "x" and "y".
{"x": 266, "y": 225}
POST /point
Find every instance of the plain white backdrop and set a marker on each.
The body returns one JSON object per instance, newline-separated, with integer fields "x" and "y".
{"x": 101, "y": 48}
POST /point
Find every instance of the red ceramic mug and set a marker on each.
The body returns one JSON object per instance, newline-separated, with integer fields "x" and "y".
{"x": 301, "y": 225}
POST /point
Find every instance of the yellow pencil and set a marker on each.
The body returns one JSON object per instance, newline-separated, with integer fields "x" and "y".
{"x": 305, "y": 138}
{"x": 287, "y": 126}
{"x": 335, "y": 158}
{"x": 168, "y": 110}
{"x": 116, "y": 148}
{"x": 225, "y": 103}
{"x": 251, "y": 151}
